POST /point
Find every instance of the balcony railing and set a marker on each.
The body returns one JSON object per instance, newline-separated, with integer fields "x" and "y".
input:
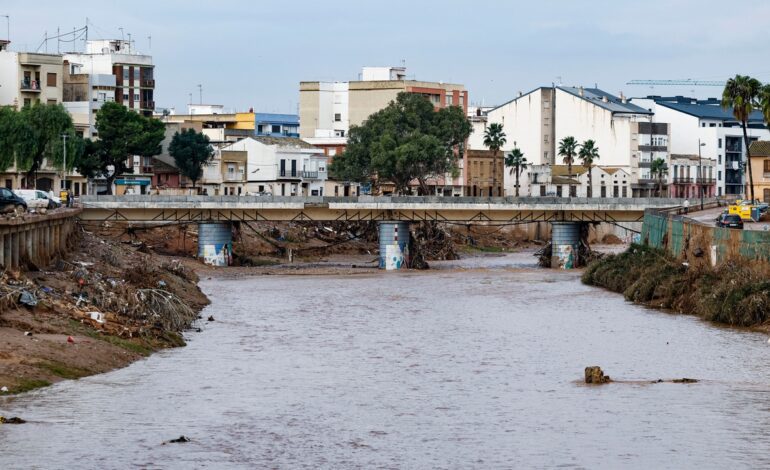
{"x": 148, "y": 83}
{"x": 234, "y": 177}
{"x": 705, "y": 180}
{"x": 310, "y": 174}
{"x": 30, "y": 85}
{"x": 682, "y": 180}
{"x": 289, "y": 174}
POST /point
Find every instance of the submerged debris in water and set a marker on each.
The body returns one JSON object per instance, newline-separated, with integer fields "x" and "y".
{"x": 595, "y": 375}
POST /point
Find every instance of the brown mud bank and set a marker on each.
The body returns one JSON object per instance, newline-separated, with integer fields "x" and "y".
{"x": 102, "y": 306}
{"x": 733, "y": 293}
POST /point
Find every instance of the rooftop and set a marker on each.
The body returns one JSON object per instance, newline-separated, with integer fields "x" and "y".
{"x": 605, "y": 100}
{"x": 710, "y": 108}
{"x": 276, "y": 118}
{"x": 284, "y": 142}
{"x": 760, "y": 148}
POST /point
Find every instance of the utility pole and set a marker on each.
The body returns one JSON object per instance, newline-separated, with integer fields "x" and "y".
{"x": 700, "y": 172}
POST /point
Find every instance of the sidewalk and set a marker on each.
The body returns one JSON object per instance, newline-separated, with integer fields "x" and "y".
{"x": 708, "y": 217}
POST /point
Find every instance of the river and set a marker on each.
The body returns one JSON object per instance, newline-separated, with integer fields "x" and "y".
{"x": 475, "y": 365}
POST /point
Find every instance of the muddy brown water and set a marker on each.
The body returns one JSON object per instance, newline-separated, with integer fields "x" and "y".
{"x": 475, "y": 365}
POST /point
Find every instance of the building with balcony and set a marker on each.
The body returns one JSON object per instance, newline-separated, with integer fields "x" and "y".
{"x": 83, "y": 95}
{"x": 276, "y": 125}
{"x": 27, "y": 78}
{"x": 695, "y": 122}
{"x": 283, "y": 166}
{"x": 649, "y": 142}
{"x": 536, "y": 121}
{"x": 760, "y": 167}
{"x": 134, "y": 72}
{"x": 689, "y": 175}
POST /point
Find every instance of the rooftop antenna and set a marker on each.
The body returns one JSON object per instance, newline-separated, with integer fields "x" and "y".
{"x": 200, "y": 94}
{"x": 149, "y": 39}
{"x": 121, "y": 33}
{"x": 190, "y": 102}
{"x": 130, "y": 49}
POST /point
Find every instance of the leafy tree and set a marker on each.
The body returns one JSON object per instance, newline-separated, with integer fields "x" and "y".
{"x": 658, "y": 170}
{"x": 405, "y": 141}
{"x": 38, "y": 137}
{"x": 191, "y": 151}
{"x": 8, "y": 122}
{"x": 588, "y": 154}
{"x": 494, "y": 140}
{"x": 517, "y": 162}
{"x": 122, "y": 134}
{"x": 741, "y": 95}
{"x": 568, "y": 151}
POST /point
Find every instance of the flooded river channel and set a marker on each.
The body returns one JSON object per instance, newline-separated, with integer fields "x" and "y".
{"x": 475, "y": 365}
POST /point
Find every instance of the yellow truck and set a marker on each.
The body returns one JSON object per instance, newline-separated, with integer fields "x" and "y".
{"x": 748, "y": 210}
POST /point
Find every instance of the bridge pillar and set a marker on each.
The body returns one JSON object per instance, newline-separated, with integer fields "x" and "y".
{"x": 215, "y": 243}
{"x": 565, "y": 242}
{"x": 394, "y": 245}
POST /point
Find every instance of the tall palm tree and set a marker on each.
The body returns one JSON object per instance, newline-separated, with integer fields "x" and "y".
{"x": 588, "y": 154}
{"x": 658, "y": 170}
{"x": 517, "y": 162}
{"x": 568, "y": 151}
{"x": 741, "y": 94}
{"x": 494, "y": 139}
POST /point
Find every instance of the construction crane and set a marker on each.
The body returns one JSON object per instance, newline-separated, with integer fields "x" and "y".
{"x": 686, "y": 82}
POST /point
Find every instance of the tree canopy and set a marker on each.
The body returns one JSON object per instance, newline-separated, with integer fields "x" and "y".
{"x": 405, "y": 141}
{"x": 191, "y": 151}
{"x": 122, "y": 134}
{"x": 517, "y": 163}
{"x": 33, "y": 136}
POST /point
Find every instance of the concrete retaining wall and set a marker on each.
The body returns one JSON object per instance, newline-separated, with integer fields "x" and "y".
{"x": 35, "y": 239}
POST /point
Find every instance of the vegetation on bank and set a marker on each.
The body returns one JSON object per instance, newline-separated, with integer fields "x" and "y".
{"x": 734, "y": 293}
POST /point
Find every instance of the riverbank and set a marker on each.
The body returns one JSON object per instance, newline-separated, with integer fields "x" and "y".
{"x": 734, "y": 293}
{"x": 103, "y": 306}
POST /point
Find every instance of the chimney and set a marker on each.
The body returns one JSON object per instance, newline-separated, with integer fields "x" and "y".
{"x": 521, "y": 94}
{"x": 605, "y": 99}
{"x": 581, "y": 92}
{"x": 623, "y": 98}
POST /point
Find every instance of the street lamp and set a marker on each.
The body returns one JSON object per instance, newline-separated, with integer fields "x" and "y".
{"x": 64, "y": 171}
{"x": 700, "y": 172}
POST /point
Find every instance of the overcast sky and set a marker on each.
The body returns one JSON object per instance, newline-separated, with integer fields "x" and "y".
{"x": 253, "y": 53}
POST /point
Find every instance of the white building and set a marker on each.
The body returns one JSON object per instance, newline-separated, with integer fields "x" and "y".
{"x": 283, "y": 166}
{"x": 133, "y": 72}
{"x": 706, "y": 122}
{"x": 27, "y": 78}
{"x": 535, "y": 122}
{"x": 84, "y": 94}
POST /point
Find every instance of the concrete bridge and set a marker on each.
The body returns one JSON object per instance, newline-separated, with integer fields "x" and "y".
{"x": 408, "y": 209}
{"x": 215, "y": 214}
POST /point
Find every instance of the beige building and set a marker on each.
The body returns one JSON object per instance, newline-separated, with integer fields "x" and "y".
{"x": 27, "y": 78}
{"x": 760, "y": 169}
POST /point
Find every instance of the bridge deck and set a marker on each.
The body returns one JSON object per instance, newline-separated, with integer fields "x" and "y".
{"x": 280, "y": 208}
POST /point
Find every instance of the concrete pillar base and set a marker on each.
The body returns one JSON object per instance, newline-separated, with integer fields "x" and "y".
{"x": 565, "y": 241}
{"x": 394, "y": 245}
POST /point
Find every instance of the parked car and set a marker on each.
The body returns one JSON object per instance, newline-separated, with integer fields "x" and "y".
{"x": 37, "y": 199}
{"x": 9, "y": 200}
{"x": 730, "y": 221}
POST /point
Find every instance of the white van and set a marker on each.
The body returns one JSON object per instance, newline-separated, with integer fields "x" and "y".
{"x": 36, "y": 199}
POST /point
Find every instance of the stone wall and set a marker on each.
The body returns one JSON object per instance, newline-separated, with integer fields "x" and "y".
{"x": 35, "y": 239}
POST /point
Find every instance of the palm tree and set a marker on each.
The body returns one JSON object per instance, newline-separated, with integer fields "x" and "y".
{"x": 588, "y": 154}
{"x": 494, "y": 139}
{"x": 658, "y": 170}
{"x": 568, "y": 150}
{"x": 517, "y": 162}
{"x": 741, "y": 94}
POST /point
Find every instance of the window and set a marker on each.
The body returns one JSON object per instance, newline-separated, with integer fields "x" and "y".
{"x": 51, "y": 101}
{"x": 275, "y": 128}
{"x": 558, "y": 191}
{"x": 703, "y": 124}
{"x": 259, "y": 128}
{"x": 767, "y": 166}
{"x": 27, "y": 102}
{"x": 712, "y": 124}
{"x": 719, "y": 175}
{"x": 545, "y": 156}
{"x": 51, "y": 79}
{"x": 719, "y": 143}
{"x": 546, "y": 104}
{"x": 125, "y": 96}
{"x": 136, "y": 73}
{"x": 125, "y": 74}
{"x": 625, "y": 191}
{"x": 449, "y": 100}
{"x": 136, "y": 96}
{"x": 545, "y": 138}
{"x": 542, "y": 190}
{"x": 719, "y": 157}
{"x": 337, "y": 117}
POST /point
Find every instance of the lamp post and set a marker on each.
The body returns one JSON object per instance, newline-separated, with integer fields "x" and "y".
{"x": 700, "y": 172}
{"x": 64, "y": 171}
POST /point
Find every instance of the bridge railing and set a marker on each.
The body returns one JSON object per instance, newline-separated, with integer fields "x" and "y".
{"x": 651, "y": 202}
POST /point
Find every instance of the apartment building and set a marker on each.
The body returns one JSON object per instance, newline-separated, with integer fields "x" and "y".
{"x": 706, "y": 124}
{"x": 690, "y": 174}
{"x": 134, "y": 72}
{"x": 276, "y": 125}
{"x": 83, "y": 95}
{"x": 536, "y": 121}
{"x": 27, "y": 78}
